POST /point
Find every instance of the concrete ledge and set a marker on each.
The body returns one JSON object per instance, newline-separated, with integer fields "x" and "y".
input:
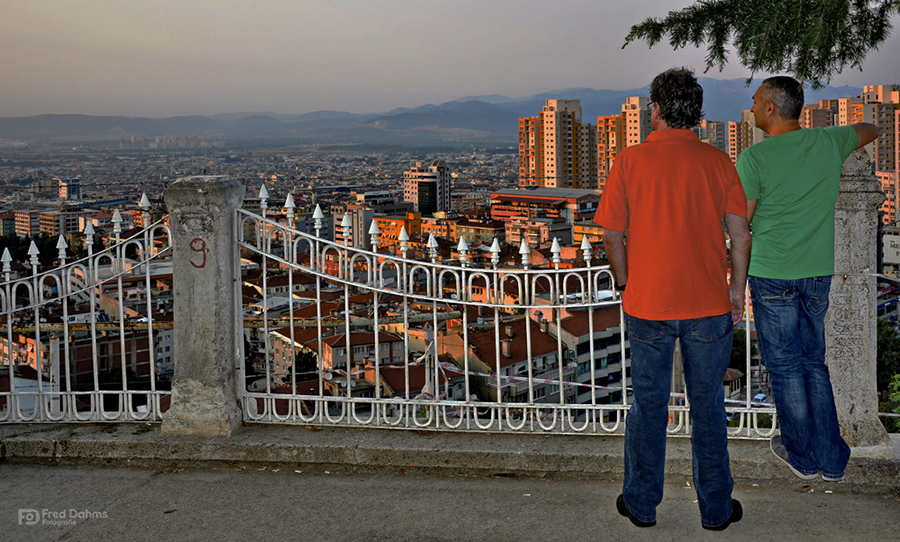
{"x": 541, "y": 455}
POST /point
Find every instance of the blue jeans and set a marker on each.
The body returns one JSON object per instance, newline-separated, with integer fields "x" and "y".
{"x": 790, "y": 326}
{"x": 705, "y": 348}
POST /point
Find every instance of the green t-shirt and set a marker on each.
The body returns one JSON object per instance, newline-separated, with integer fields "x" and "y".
{"x": 795, "y": 178}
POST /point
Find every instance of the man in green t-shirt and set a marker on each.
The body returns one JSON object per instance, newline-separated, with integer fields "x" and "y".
{"x": 791, "y": 180}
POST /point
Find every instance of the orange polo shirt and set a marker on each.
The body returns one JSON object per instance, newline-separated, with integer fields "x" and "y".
{"x": 670, "y": 195}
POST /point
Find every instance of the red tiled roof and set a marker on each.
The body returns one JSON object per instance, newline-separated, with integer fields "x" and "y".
{"x": 604, "y": 318}
{"x": 486, "y": 345}
{"x": 360, "y": 338}
{"x": 395, "y": 378}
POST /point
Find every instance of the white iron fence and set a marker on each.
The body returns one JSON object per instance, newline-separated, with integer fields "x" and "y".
{"x": 408, "y": 333}
{"x": 79, "y": 341}
{"x": 412, "y": 334}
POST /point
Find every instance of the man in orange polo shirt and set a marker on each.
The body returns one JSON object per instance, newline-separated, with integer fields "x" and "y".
{"x": 662, "y": 212}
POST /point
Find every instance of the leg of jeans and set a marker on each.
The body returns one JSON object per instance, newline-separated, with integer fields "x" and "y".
{"x": 776, "y": 312}
{"x": 706, "y": 349}
{"x": 830, "y": 451}
{"x": 652, "y": 350}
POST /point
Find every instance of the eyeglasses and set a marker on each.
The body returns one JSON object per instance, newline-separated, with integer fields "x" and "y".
{"x": 650, "y": 106}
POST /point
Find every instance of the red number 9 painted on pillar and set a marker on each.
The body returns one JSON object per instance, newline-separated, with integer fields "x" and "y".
{"x": 199, "y": 245}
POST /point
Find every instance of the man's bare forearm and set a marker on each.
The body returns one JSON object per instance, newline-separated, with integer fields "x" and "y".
{"x": 614, "y": 244}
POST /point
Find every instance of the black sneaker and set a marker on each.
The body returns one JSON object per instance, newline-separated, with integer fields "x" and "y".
{"x": 737, "y": 512}
{"x": 781, "y": 453}
{"x": 623, "y": 510}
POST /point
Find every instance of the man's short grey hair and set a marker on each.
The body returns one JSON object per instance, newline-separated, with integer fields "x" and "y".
{"x": 787, "y": 95}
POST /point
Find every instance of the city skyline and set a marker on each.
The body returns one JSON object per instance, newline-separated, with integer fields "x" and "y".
{"x": 111, "y": 57}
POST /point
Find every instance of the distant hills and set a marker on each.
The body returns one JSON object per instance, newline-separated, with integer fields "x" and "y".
{"x": 485, "y": 119}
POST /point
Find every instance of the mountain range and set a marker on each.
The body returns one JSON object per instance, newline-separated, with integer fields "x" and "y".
{"x": 468, "y": 120}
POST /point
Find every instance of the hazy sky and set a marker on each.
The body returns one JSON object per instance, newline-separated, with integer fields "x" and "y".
{"x": 178, "y": 57}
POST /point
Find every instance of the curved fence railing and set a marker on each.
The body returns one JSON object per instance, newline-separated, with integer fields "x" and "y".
{"x": 414, "y": 335}
{"x": 82, "y": 341}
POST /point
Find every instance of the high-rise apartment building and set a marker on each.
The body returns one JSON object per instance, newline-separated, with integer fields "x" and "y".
{"x": 609, "y": 133}
{"x": 752, "y": 134}
{"x": 557, "y": 150}
{"x": 878, "y": 106}
{"x": 816, "y": 116}
{"x": 849, "y": 111}
{"x": 428, "y": 188}
{"x": 884, "y": 94}
{"x": 635, "y": 120}
{"x": 735, "y": 139}
{"x": 712, "y": 132}
{"x": 833, "y": 106}
{"x": 617, "y": 132}
{"x": 883, "y": 149}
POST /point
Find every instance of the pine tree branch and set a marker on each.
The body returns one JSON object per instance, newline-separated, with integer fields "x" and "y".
{"x": 810, "y": 39}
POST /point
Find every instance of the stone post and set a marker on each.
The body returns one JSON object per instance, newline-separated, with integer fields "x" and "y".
{"x": 208, "y": 335}
{"x": 850, "y": 325}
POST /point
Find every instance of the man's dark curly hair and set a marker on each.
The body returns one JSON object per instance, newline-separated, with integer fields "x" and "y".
{"x": 679, "y": 97}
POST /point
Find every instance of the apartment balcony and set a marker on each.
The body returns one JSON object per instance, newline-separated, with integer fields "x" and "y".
{"x": 66, "y": 416}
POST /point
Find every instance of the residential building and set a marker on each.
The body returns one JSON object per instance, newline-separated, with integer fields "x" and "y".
{"x": 538, "y": 231}
{"x": 589, "y": 229}
{"x": 69, "y": 188}
{"x": 440, "y": 225}
{"x": 713, "y": 132}
{"x": 7, "y": 223}
{"x": 362, "y": 350}
{"x": 602, "y": 367}
{"x": 389, "y": 228}
{"x": 360, "y": 221}
{"x": 557, "y": 150}
{"x": 64, "y": 221}
{"x": 507, "y": 361}
{"x": 636, "y": 120}
{"x": 572, "y": 204}
{"x": 462, "y": 201}
{"x": 881, "y": 94}
{"x": 752, "y": 134}
{"x": 609, "y": 133}
{"x": 472, "y": 230}
{"x": 28, "y": 222}
{"x": 735, "y": 140}
{"x": 428, "y": 187}
{"x": 846, "y": 115}
{"x": 888, "y": 180}
{"x": 815, "y": 116}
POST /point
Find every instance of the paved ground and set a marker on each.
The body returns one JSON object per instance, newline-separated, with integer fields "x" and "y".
{"x": 270, "y": 482}
{"x": 94, "y": 502}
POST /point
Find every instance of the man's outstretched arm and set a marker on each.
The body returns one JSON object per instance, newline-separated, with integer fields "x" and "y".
{"x": 867, "y": 133}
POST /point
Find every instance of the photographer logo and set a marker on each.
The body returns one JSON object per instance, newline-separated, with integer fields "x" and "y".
{"x": 28, "y": 516}
{"x": 46, "y": 516}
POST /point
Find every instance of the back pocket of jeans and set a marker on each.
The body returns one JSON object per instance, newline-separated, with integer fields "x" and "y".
{"x": 772, "y": 290}
{"x": 644, "y": 329}
{"x": 713, "y": 327}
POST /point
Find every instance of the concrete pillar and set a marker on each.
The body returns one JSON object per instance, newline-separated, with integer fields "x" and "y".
{"x": 850, "y": 325}
{"x": 208, "y": 333}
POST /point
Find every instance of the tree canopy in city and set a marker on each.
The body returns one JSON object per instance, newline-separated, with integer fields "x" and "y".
{"x": 809, "y": 39}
